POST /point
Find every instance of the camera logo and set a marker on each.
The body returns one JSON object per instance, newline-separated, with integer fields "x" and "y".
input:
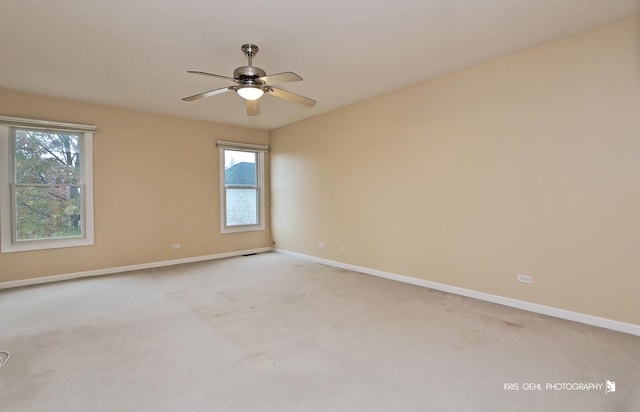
{"x": 611, "y": 386}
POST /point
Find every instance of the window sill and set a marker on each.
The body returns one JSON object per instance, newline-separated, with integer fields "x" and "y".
{"x": 240, "y": 229}
{"x": 45, "y": 244}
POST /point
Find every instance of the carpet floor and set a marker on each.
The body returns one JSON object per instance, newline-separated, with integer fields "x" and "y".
{"x": 274, "y": 333}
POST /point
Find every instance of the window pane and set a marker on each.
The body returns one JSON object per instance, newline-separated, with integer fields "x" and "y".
{"x": 48, "y": 212}
{"x": 240, "y": 168}
{"x": 43, "y": 157}
{"x": 242, "y": 207}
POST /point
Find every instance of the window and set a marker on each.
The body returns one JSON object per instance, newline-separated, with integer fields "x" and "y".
{"x": 241, "y": 187}
{"x": 46, "y": 184}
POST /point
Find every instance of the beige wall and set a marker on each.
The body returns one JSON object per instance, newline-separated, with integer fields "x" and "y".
{"x": 156, "y": 182}
{"x": 526, "y": 164}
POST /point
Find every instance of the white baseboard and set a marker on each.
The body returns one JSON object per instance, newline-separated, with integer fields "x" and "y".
{"x": 501, "y": 300}
{"x": 108, "y": 271}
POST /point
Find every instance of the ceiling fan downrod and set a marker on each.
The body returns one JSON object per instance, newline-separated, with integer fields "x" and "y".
{"x": 249, "y": 50}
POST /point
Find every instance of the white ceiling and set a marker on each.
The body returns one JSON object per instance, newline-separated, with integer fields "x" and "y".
{"x": 136, "y": 53}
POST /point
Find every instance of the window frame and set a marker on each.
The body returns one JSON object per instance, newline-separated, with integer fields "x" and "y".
{"x": 8, "y": 235}
{"x": 260, "y": 151}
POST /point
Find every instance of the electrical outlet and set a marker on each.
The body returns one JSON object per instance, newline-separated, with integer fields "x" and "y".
{"x": 175, "y": 246}
{"x": 321, "y": 245}
{"x": 525, "y": 279}
{"x": 343, "y": 249}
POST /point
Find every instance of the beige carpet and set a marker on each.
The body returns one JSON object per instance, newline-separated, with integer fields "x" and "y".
{"x": 274, "y": 333}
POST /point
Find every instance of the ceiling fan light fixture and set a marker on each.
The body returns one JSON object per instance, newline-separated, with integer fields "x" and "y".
{"x": 250, "y": 92}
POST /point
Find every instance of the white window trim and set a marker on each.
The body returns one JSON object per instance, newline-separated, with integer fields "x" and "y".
{"x": 260, "y": 166}
{"x": 7, "y": 243}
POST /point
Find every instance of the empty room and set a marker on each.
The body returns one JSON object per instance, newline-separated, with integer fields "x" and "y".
{"x": 424, "y": 205}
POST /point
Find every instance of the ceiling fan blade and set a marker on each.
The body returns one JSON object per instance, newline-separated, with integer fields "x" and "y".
{"x": 253, "y": 107}
{"x": 209, "y": 93}
{"x": 280, "y": 78}
{"x": 292, "y": 97}
{"x": 211, "y": 74}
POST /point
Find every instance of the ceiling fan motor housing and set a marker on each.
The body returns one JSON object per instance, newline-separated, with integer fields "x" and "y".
{"x": 248, "y": 74}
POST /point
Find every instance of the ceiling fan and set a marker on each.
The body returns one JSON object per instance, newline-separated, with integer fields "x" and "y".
{"x": 253, "y": 82}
